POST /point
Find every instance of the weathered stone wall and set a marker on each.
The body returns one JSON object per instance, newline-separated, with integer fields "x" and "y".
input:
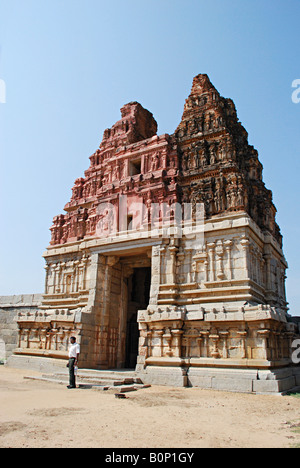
{"x": 10, "y": 306}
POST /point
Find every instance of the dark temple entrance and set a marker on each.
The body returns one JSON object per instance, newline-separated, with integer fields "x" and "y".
{"x": 138, "y": 299}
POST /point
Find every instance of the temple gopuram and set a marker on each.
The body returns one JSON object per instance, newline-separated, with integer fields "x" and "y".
{"x": 168, "y": 258}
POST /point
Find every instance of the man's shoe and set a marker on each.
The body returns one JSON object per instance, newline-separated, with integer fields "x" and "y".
{"x": 69, "y": 387}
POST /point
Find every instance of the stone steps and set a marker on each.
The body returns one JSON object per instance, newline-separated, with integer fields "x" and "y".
{"x": 114, "y": 381}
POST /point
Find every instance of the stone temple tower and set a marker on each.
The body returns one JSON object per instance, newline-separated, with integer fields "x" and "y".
{"x": 168, "y": 258}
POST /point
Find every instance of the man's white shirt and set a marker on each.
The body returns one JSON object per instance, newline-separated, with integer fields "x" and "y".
{"x": 74, "y": 349}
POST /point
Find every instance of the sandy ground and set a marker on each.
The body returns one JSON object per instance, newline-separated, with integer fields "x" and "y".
{"x": 37, "y": 414}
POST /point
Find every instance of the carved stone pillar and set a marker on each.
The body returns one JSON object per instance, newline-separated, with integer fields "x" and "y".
{"x": 205, "y": 334}
{"x": 245, "y": 243}
{"x": 189, "y": 252}
{"x": 243, "y": 334}
{"x": 61, "y": 268}
{"x": 173, "y": 251}
{"x": 205, "y": 270}
{"x": 211, "y": 258}
{"x": 219, "y": 260}
{"x": 215, "y": 339}
{"x": 228, "y": 247}
{"x": 224, "y": 335}
{"x": 168, "y": 337}
{"x": 177, "y": 334}
{"x": 264, "y": 334}
{"x": 149, "y": 343}
{"x": 84, "y": 263}
{"x": 160, "y": 334}
{"x": 199, "y": 341}
{"x": 155, "y": 274}
{"x": 47, "y": 269}
{"x": 54, "y": 334}
{"x": 180, "y": 266}
{"x": 43, "y": 339}
{"x": 57, "y": 270}
{"x": 267, "y": 258}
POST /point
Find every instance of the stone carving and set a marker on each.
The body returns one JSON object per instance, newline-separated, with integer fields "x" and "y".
{"x": 130, "y": 161}
{"x": 211, "y": 138}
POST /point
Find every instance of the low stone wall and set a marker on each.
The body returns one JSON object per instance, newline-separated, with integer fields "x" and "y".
{"x": 10, "y": 306}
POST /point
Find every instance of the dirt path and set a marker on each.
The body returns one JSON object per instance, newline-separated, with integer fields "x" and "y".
{"x": 40, "y": 414}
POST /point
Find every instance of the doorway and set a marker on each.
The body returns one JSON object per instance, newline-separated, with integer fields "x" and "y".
{"x": 138, "y": 299}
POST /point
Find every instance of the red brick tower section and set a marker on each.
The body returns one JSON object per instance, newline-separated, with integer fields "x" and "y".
{"x": 207, "y": 160}
{"x": 132, "y": 161}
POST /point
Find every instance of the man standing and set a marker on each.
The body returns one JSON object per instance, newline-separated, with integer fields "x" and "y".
{"x": 74, "y": 351}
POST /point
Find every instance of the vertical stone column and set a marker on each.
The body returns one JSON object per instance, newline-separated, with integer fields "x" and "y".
{"x": 219, "y": 260}
{"x": 47, "y": 269}
{"x": 160, "y": 334}
{"x": 199, "y": 342}
{"x": 56, "y": 278}
{"x": 180, "y": 265}
{"x": 84, "y": 271}
{"x": 215, "y": 340}
{"x": 189, "y": 252}
{"x": 177, "y": 334}
{"x": 245, "y": 243}
{"x": 205, "y": 334}
{"x": 228, "y": 247}
{"x": 143, "y": 165}
{"x": 156, "y": 274}
{"x": 173, "y": 251}
{"x": 267, "y": 258}
{"x": 95, "y": 317}
{"x": 224, "y": 335}
{"x": 257, "y": 266}
{"x": 61, "y": 268}
{"x": 96, "y": 283}
{"x": 206, "y": 271}
{"x": 284, "y": 277}
{"x": 264, "y": 334}
{"x": 168, "y": 338}
{"x": 73, "y": 278}
{"x": 149, "y": 343}
{"x": 262, "y": 272}
{"x": 211, "y": 258}
{"x": 243, "y": 334}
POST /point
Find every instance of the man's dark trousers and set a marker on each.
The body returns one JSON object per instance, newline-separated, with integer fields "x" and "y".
{"x": 72, "y": 372}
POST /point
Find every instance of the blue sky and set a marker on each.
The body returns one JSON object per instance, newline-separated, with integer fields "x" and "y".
{"x": 70, "y": 65}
